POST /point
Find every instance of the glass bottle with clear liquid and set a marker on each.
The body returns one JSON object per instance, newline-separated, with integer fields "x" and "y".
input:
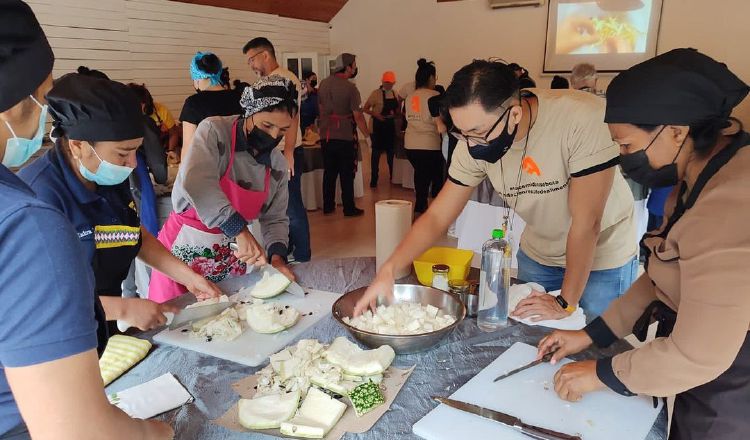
{"x": 494, "y": 283}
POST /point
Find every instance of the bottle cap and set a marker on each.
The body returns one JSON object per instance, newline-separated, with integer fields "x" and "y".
{"x": 441, "y": 268}
{"x": 498, "y": 233}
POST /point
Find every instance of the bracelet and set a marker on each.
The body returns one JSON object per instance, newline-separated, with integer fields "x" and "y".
{"x": 564, "y": 304}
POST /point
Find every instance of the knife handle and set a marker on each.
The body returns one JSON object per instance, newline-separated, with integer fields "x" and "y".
{"x": 544, "y": 434}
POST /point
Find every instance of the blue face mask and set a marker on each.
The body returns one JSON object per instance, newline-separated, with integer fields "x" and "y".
{"x": 19, "y": 150}
{"x": 107, "y": 174}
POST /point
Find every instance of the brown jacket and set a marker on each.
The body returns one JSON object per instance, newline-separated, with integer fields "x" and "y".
{"x": 702, "y": 271}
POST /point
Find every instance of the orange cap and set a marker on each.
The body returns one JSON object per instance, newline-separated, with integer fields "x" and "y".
{"x": 389, "y": 77}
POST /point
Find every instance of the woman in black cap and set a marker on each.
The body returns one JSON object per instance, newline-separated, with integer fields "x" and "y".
{"x": 671, "y": 117}
{"x": 98, "y": 127}
{"x": 47, "y": 325}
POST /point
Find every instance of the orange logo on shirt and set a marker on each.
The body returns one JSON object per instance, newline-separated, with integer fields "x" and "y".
{"x": 415, "y": 104}
{"x": 530, "y": 166}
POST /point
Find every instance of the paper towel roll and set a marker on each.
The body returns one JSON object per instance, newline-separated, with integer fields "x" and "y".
{"x": 392, "y": 222}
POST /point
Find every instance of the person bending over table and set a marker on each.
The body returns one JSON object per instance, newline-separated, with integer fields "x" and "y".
{"x": 50, "y": 384}
{"x": 98, "y": 126}
{"x": 552, "y": 160}
{"x": 233, "y": 175}
{"x": 671, "y": 117}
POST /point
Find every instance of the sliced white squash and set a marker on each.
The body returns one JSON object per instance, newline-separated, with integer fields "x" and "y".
{"x": 357, "y": 362}
{"x": 377, "y": 378}
{"x": 317, "y": 415}
{"x": 278, "y": 358}
{"x": 268, "y": 412}
{"x": 268, "y": 286}
{"x": 343, "y": 387}
{"x": 270, "y": 318}
{"x": 225, "y": 327}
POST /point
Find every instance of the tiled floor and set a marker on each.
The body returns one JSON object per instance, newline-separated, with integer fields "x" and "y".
{"x": 336, "y": 236}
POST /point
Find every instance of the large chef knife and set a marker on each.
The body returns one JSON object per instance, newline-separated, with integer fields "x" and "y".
{"x": 508, "y": 420}
{"x": 197, "y": 312}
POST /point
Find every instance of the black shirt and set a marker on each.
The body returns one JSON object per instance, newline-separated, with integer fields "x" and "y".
{"x": 211, "y": 103}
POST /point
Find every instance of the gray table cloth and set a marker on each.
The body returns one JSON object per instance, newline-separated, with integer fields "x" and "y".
{"x": 440, "y": 371}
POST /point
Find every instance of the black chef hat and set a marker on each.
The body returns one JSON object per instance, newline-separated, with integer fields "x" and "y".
{"x": 25, "y": 56}
{"x": 94, "y": 109}
{"x": 680, "y": 87}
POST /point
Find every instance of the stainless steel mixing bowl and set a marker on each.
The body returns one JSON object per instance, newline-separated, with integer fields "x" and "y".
{"x": 402, "y": 344}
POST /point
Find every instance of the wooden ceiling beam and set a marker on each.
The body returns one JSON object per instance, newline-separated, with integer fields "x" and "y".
{"x": 314, "y": 10}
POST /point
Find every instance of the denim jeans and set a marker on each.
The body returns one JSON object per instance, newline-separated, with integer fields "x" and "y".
{"x": 299, "y": 227}
{"x": 18, "y": 433}
{"x": 602, "y": 288}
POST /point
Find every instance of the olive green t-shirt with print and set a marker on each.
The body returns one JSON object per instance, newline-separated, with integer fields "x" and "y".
{"x": 568, "y": 139}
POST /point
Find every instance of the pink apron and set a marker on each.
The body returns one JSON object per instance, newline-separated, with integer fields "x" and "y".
{"x": 206, "y": 250}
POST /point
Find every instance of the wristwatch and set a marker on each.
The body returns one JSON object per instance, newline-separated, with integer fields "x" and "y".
{"x": 564, "y": 304}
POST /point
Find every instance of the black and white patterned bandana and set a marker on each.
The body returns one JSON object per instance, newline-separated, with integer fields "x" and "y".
{"x": 267, "y": 92}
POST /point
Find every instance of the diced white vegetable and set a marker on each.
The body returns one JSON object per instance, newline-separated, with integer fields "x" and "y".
{"x": 402, "y": 319}
{"x": 267, "y": 412}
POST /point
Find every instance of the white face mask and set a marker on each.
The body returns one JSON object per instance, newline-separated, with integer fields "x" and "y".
{"x": 19, "y": 150}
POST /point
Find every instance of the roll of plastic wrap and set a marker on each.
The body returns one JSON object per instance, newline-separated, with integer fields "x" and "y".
{"x": 392, "y": 222}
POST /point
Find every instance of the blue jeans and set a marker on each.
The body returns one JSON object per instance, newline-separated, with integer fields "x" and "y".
{"x": 299, "y": 227}
{"x": 602, "y": 288}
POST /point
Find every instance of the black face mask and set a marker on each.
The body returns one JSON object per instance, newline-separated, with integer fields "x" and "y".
{"x": 354, "y": 74}
{"x": 496, "y": 148}
{"x": 261, "y": 145}
{"x": 636, "y": 166}
{"x": 314, "y": 83}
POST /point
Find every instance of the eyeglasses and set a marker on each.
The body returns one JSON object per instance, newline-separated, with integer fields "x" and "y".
{"x": 250, "y": 59}
{"x": 477, "y": 140}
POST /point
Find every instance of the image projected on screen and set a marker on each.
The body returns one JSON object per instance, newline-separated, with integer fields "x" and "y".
{"x": 586, "y": 28}
{"x": 611, "y": 34}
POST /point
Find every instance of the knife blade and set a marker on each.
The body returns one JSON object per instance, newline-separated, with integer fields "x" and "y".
{"x": 546, "y": 358}
{"x": 191, "y": 314}
{"x": 508, "y": 420}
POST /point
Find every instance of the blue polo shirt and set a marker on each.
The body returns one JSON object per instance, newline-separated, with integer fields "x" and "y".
{"x": 46, "y": 300}
{"x": 54, "y": 182}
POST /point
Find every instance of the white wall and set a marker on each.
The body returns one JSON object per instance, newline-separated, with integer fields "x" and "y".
{"x": 153, "y": 41}
{"x": 393, "y": 34}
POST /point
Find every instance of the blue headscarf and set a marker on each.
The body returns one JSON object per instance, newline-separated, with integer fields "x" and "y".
{"x": 196, "y": 73}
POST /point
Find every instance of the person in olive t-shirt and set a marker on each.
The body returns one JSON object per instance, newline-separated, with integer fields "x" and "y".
{"x": 551, "y": 158}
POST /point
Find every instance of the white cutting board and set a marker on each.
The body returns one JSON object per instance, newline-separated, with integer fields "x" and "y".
{"x": 252, "y": 348}
{"x": 530, "y": 395}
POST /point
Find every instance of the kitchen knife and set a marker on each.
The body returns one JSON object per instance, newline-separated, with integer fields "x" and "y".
{"x": 198, "y": 312}
{"x": 508, "y": 420}
{"x": 544, "y": 359}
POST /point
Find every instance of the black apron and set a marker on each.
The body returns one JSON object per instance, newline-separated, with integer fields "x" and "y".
{"x": 384, "y": 132}
{"x": 720, "y": 409}
{"x": 117, "y": 245}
